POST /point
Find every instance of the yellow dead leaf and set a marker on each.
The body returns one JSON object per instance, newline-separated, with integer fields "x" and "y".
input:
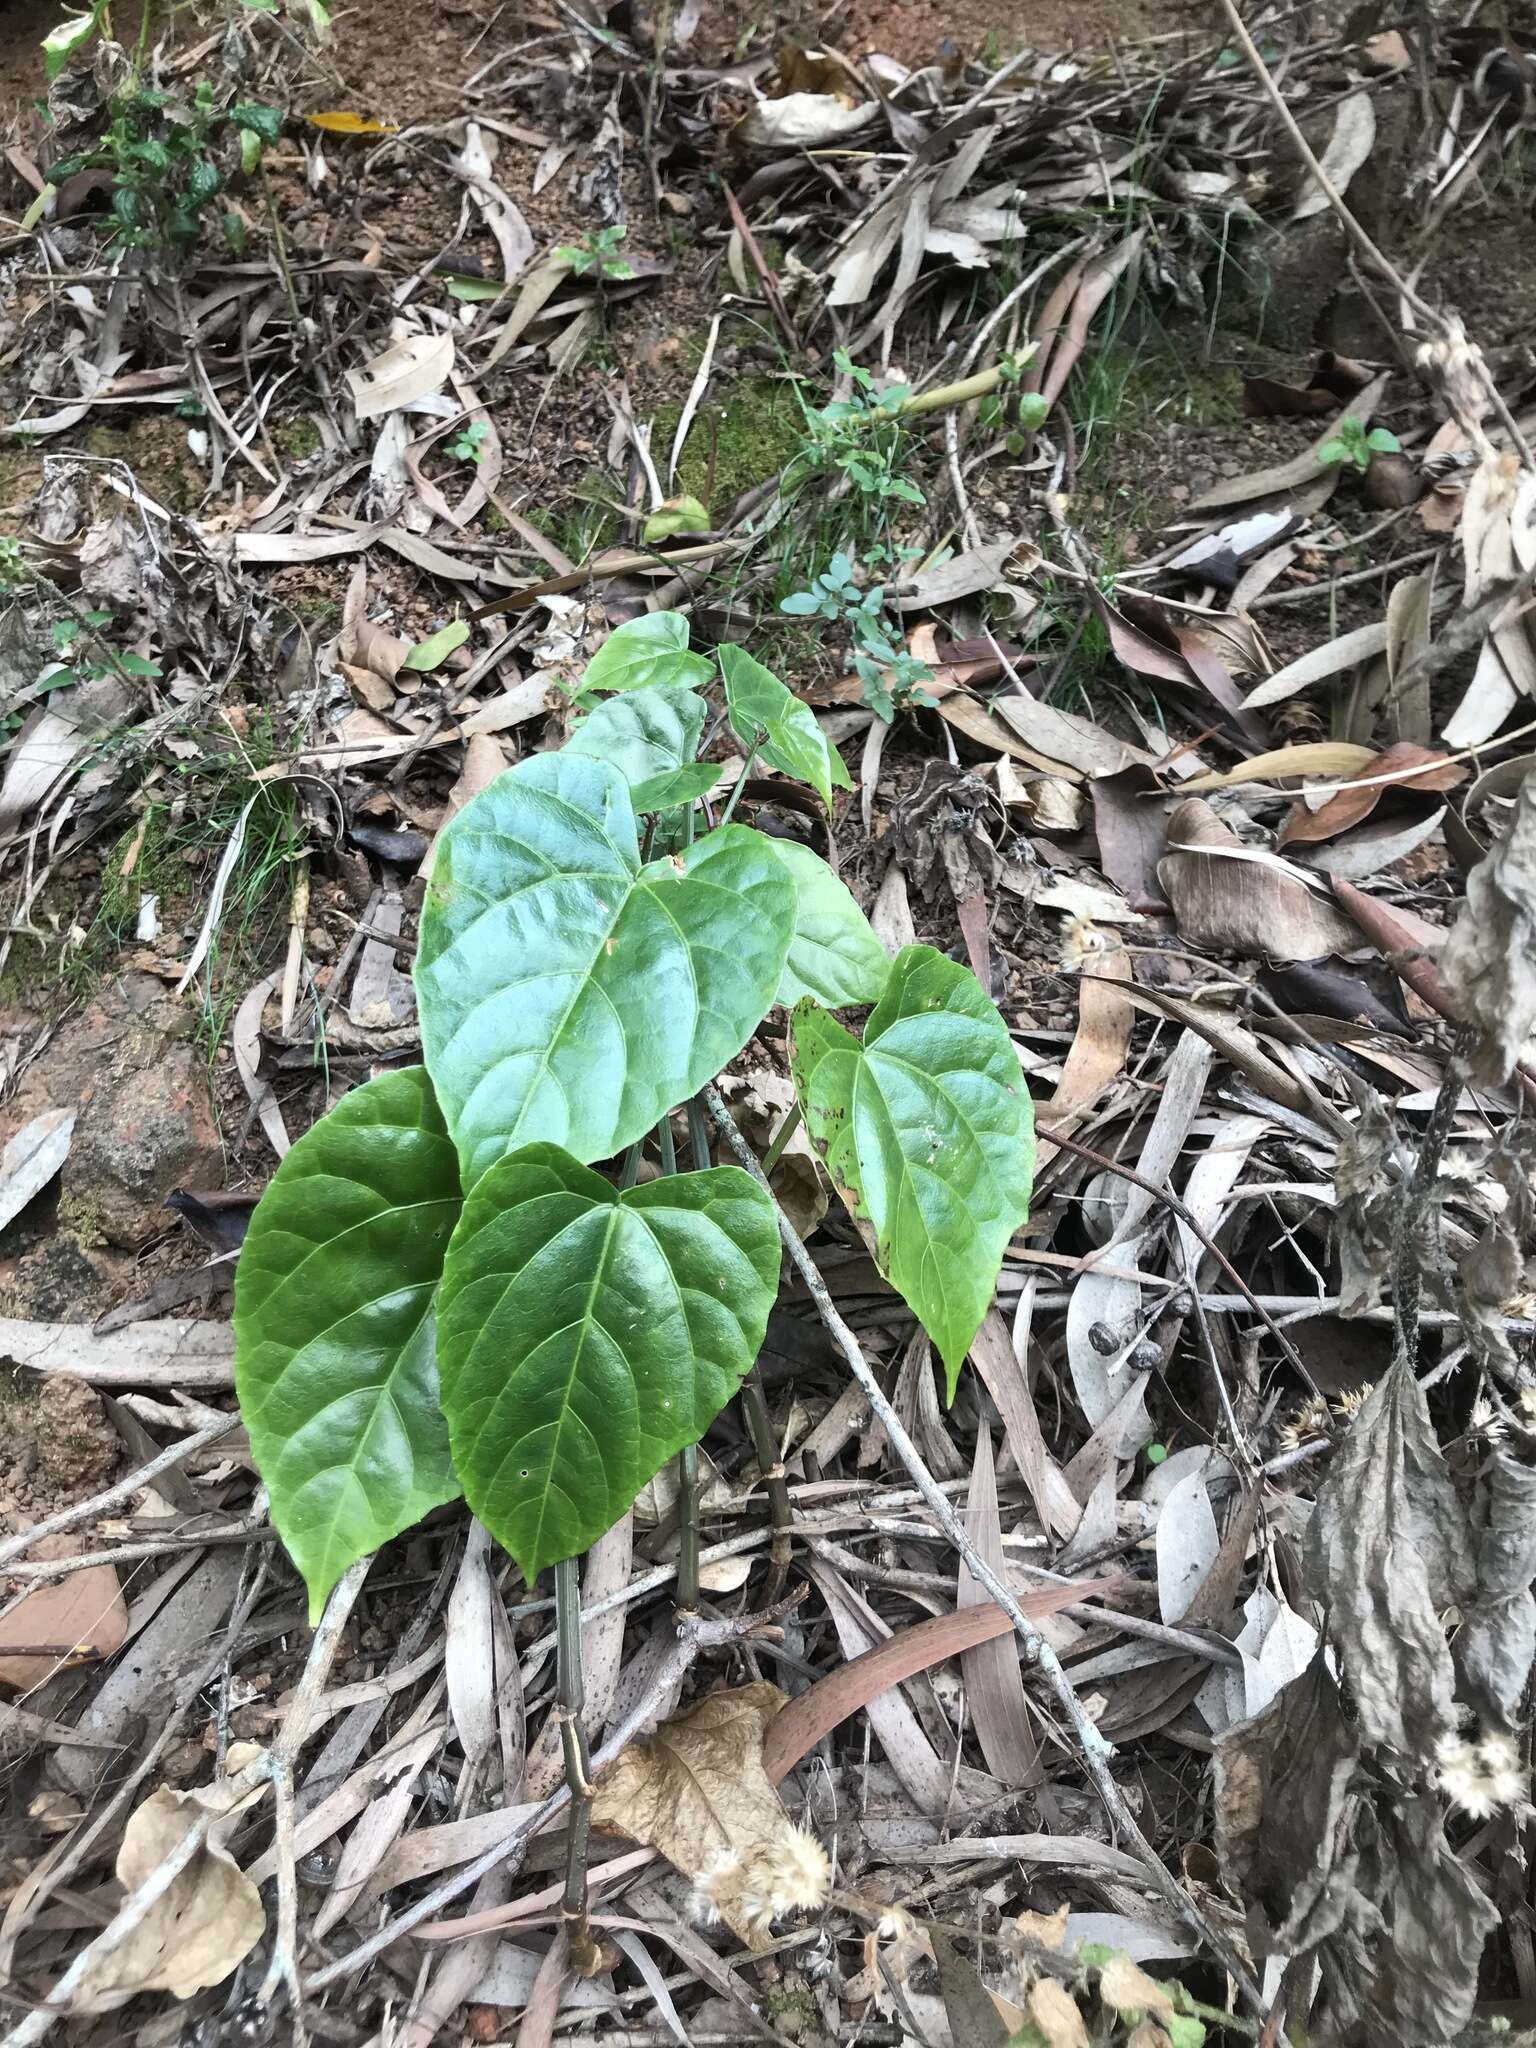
{"x": 698, "y": 1792}
{"x": 351, "y": 124}
{"x": 1045, "y": 1930}
{"x": 204, "y": 1925}
{"x": 1054, "y": 2013}
{"x": 1129, "y": 1990}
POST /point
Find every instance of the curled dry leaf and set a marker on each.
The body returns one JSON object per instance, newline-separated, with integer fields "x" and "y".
{"x": 1387, "y": 1554}
{"x": 698, "y": 1792}
{"x": 803, "y": 120}
{"x": 1054, "y": 2012}
{"x": 1497, "y": 1639}
{"x": 1410, "y": 767}
{"x": 1228, "y": 897}
{"x": 400, "y": 376}
{"x": 203, "y": 1925}
{"x": 1127, "y": 1990}
{"x": 1489, "y": 962}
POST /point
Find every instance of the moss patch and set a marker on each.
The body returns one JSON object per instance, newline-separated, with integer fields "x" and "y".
{"x": 756, "y": 425}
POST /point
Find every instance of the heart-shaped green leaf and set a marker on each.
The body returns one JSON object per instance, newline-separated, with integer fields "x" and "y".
{"x": 334, "y": 1361}
{"x": 652, "y": 649}
{"x": 585, "y": 1335}
{"x": 569, "y": 995}
{"x": 793, "y": 742}
{"x": 651, "y": 737}
{"x": 928, "y": 1129}
{"x": 833, "y": 956}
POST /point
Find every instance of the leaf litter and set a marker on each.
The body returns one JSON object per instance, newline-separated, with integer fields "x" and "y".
{"x": 1251, "y": 1437}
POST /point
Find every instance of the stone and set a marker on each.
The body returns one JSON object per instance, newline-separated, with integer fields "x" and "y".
{"x": 145, "y": 1122}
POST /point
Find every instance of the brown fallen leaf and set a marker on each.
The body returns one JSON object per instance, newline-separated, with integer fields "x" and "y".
{"x": 699, "y": 1792}
{"x": 1127, "y": 1989}
{"x": 1237, "y": 899}
{"x": 1054, "y": 2013}
{"x": 80, "y": 1619}
{"x": 1409, "y": 766}
{"x": 209, "y": 1918}
{"x": 796, "y": 1730}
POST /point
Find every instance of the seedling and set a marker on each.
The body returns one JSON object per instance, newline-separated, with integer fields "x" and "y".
{"x": 439, "y": 1292}
{"x": 1354, "y": 447}
{"x": 468, "y": 444}
{"x": 862, "y": 437}
{"x": 170, "y": 159}
{"x": 596, "y": 256}
{"x": 893, "y": 679}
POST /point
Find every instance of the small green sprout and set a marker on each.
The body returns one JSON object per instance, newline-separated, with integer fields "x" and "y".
{"x": 1352, "y": 445}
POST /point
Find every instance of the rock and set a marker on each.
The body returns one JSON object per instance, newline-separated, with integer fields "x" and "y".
{"x": 145, "y": 1122}
{"x": 78, "y": 1450}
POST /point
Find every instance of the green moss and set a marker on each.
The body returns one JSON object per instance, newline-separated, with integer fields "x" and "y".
{"x": 758, "y": 426}
{"x": 298, "y": 438}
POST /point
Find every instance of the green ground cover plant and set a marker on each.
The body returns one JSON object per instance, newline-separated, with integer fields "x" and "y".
{"x": 440, "y": 1294}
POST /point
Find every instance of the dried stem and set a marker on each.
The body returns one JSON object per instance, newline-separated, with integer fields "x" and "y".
{"x": 571, "y": 1702}
{"x": 1096, "y": 1751}
{"x": 99, "y": 1503}
{"x": 755, "y": 1408}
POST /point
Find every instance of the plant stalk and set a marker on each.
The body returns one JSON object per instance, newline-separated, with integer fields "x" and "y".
{"x": 571, "y": 1702}
{"x": 755, "y": 1407}
{"x": 780, "y": 1139}
{"x": 698, "y": 1133}
{"x": 741, "y": 781}
{"x": 688, "y": 1529}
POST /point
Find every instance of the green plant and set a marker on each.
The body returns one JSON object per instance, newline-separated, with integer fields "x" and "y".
{"x": 439, "y": 1292}
{"x": 169, "y": 158}
{"x": 468, "y": 444}
{"x": 1353, "y": 446}
{"x": 862, "y": 436}
{"x": 596, "y": 255}
{"x": 893, "y": 679}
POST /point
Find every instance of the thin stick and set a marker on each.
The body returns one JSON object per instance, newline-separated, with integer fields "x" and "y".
{"x": 688, "y": 1529}
{"x": 571, "y": 1704}
{"x": 741, "y": 781}
{"x": 770, "y": 1467}
{"x": 280, "y": 1760}
{"x": 1037, "y": 1651}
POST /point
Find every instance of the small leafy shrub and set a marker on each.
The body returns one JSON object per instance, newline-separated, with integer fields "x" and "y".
{"x": 1353, "y": 447}
{"x": 862, "y": 438}
{"x": 597, "y": 256}
{"x": 893, "y": 679}
{"x": 170, "y": 159}
{"x": 439, "y": 1293}
{"x": 468, "y": 444}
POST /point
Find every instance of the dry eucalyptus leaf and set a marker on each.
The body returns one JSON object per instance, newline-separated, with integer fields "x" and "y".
{"x": 203, "y": 1926}
{"x": 405, "y": 372}
{"x": 1127, "y": 1989}
{"x": 1233, "y": 899}
{"x": 1349, "y": 146}
{"x": 1387, "y": 1553}
{"x": 974, "y": 2020}
{"x": 698, "y": 1792}
{"x": 84, "y": 1611}
{"x": 1489, "y": 962}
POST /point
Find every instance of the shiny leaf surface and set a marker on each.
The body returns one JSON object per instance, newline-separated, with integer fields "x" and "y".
{"x": 585, "y": 1335}
{"x": 571, "y": 996}
{"x": 334, "y": 1361}
{"x": 927, "y": 1128}
{"x": 834, "y": 955}
{"x": 793, "y": 742}
{"x": 652, "y": 649}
